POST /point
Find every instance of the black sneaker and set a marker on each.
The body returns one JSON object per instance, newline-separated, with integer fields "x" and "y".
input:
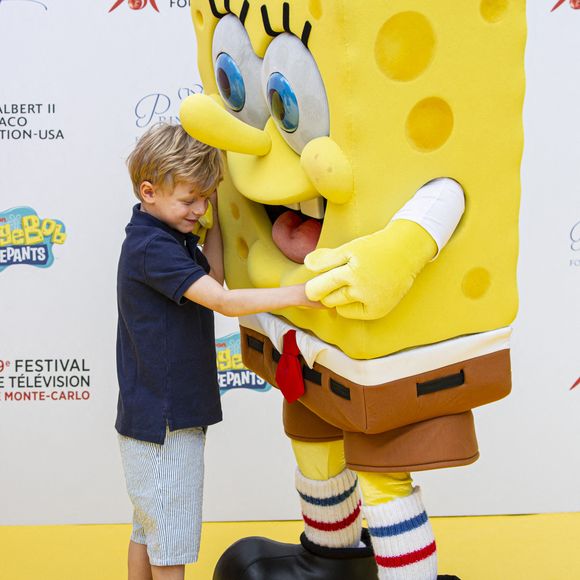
{"x": 262, "y": 559}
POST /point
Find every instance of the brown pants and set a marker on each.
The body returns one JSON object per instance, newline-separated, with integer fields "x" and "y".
{"x": 411, "y": 424}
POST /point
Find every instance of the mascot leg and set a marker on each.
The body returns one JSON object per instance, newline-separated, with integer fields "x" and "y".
{"x": 401, "y": 534}
{"x": 329, "y": 495}
{"x": 332, "y": 546}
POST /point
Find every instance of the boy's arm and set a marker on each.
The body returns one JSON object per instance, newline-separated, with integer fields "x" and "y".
{"x": 213, "y": 247}
{"x": 209, "y": 293}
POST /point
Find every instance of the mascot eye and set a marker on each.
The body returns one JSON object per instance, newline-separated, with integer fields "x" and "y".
{"x": 295, "y": 92}
{"x": 283, "y": 103}
{"x": 237, "y": 72}
{"x": 230, "y": 82}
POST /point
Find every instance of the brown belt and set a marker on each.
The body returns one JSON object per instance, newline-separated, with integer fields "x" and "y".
{"x": 409, "y": 403}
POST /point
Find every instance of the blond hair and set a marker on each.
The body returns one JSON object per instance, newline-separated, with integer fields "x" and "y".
{"x": 166, "y": 155}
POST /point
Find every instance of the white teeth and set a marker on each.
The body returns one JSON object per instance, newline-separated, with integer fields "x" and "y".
{"x": 313, "y": 208}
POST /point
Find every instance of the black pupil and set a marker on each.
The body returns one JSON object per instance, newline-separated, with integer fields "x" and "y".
{"x": 224, "y": 83}
{"x": 277, "y": 105}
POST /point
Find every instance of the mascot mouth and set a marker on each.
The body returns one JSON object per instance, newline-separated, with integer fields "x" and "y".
{"x": 296, "y": 232}
{"x": 293, "y": 188}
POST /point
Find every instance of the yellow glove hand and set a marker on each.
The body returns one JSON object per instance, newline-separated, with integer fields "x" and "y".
{"x": 204, "y": 223}
{"x": 366, "y": 278}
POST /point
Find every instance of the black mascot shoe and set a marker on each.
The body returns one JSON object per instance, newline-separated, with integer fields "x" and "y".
{"x": 263, "y": 559}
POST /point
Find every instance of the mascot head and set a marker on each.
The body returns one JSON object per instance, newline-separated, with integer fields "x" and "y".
{"x": 333, "y": 114}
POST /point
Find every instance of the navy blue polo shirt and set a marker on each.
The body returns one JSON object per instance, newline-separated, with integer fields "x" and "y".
{"x": 166, "y": 362}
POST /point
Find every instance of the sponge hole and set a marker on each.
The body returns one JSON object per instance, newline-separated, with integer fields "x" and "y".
{"x": 476, "y": 283}
{"x": 198, "y": 17}
{"x": 242, "y": 247}
{"x": 493, "y": 10}
{"x": 405, "y": 46}
{"x": 315, "y": 8}
{"x": 430, "y": 124}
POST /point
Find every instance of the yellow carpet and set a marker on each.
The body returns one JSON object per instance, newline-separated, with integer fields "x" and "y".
{"x": 535, "y": 547}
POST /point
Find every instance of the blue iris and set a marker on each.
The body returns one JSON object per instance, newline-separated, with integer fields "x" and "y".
{"x": 230, "y": 82}
{"x": 283, "y": 103}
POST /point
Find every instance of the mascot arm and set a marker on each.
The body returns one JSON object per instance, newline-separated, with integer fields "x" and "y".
{"x": 367, "y": 277}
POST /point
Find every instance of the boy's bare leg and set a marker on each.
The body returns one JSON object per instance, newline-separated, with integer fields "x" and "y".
{"x": 168, "y": 572}
{"x": 139, "y": 566}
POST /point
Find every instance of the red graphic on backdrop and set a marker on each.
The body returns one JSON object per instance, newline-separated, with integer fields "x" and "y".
{"x": 575, "y": 384}
{"x": 575, "y": 4}
{"x": 135, "y": 4}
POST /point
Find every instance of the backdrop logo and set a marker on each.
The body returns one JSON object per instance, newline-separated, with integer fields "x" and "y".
{"x": 156, "y": 108}
{"x": 575, "y": 4}
{"x": 135, "y": 4}
{"x": 34, "y": 2}
{"x": 20, "y": 122}
{"x": 232, "y": 374}
{"x": 25, "y": 238}
{"x": 44, "y": 379}
{"x": 575, "y": 237}
{"x": 575, "y": 244}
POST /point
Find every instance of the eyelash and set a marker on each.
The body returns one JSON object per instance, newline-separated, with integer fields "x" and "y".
{"x": 286, "y": 24}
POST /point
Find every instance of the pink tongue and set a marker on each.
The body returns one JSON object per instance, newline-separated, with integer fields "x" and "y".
{"x": 295, "y": 238}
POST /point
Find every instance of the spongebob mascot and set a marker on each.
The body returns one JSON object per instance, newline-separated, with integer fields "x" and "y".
{"x": 373, "y": 151}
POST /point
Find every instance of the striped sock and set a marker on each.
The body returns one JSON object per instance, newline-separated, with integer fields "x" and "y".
{"x": 402, "y": 539}
{"x": 331, "y": 509}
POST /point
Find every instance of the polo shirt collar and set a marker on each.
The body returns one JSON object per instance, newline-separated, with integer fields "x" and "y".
{"x": 141, "y": 218}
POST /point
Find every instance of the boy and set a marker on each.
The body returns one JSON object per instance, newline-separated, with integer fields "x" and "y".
{"x": 166, "y": 290}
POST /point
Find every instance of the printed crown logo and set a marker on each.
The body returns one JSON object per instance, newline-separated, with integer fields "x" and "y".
{"x": 135, "y": 4}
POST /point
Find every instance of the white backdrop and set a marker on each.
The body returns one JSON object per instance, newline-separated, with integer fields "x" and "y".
{"x": 78, "y": 86}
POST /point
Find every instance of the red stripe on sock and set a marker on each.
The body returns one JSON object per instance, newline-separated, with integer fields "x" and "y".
{"x": 406, "y": 559}
{"x": 333, "y": 526}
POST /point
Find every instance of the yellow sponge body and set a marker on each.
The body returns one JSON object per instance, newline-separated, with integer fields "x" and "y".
{"x": 416, "y": 90}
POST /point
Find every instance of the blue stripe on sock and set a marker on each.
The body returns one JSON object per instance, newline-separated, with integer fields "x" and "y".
{"x": 327, "y": 501}
{"x": 400, "y": 528}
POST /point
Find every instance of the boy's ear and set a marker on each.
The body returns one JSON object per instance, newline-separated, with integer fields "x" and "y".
{"x": 147, "y": 192}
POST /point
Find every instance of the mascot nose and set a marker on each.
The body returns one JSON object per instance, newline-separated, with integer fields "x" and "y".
{"x": 205, "y": 120}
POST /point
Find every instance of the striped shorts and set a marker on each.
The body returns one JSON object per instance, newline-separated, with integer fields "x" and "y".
{"x": 165, "y": 485}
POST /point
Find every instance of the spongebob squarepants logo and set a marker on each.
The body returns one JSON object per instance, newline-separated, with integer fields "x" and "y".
{"x": 575, "y": 4}
{"x": 27, "y": 239}
{"x": 232, "y": 374}
{"x": 135, "y": 4}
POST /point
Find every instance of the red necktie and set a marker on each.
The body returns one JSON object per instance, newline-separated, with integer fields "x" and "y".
{"x": 289, "y": 372}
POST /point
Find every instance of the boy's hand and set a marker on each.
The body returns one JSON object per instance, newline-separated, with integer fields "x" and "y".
{"x": 306, "y": 302}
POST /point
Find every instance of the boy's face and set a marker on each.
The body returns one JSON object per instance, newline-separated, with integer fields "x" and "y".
{"x": 179, "y": 208}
